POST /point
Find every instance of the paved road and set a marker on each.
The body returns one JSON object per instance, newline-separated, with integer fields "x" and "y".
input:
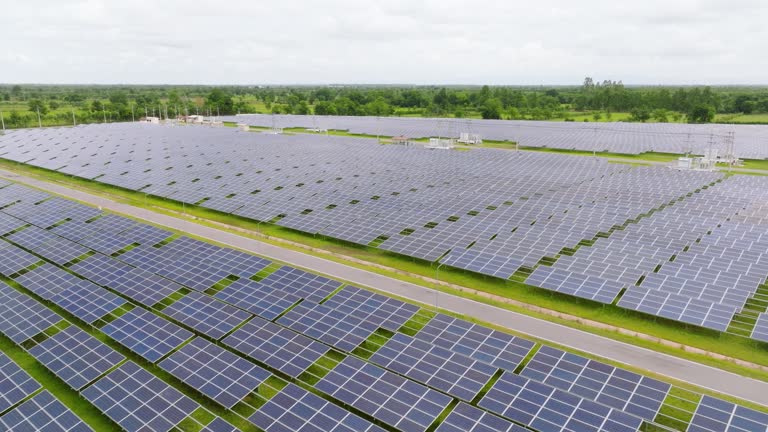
{"x": 673, "y": 367}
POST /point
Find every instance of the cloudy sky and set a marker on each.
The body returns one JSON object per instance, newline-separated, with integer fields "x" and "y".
{"x": 385, "y": 41}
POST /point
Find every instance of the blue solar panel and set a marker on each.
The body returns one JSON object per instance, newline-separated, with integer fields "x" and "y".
{"x": 206, "y": 315}
{"x": 88, "y": 301}
{"x": 47, "y": 280}
{"x": 143, "y": 286}
{"x": 75, "y": 356}
{"x": 546, "y": 408}
{"x": 295, "y": 409}
{"x": 264, "y": 301}
{"x": 308, "y": 286}
{"x": 590, "y": 379}
{"x": 139, "y": 401}
{"x": 760, "y": 332}
{"x": 146, "y": 334}
{"x": 320, "y": 322}
{"x": 466, "y": 418}
{"x": 15, "y": 383}
{"x": 219, "y": 425}
{"x": 215, "y": 372}
{"x": 387, "y": 312}
{"x": 717, "y": 415}
{"x": 14, "y": 259}
{"x": 447, "y": 371}
{"x": 285, "y": 350}
{"x": 22, "y": 317}
{"x": 390, "y": 398}
{"x": 43, "y": 412}
{"x": 481, "y": 343}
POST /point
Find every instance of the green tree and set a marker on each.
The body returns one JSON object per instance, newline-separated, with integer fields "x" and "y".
{"x": 491, "y": 109}
{"x": 640, "y": 114}
{"x": 701, "y": 113}
{"x": 220, "y": 101}
{"x": 597, "y": 116}
{"x": 661, "y": 115}
{"x": 36, "y": 105}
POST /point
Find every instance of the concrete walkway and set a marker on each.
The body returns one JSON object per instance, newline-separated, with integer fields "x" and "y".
{"x": 683, "y": 370}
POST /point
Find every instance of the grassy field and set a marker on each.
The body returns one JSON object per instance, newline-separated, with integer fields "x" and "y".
{"x": 711, "y": 341}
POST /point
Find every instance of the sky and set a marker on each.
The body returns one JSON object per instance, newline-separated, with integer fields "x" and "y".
{"x": 557, "y": 42}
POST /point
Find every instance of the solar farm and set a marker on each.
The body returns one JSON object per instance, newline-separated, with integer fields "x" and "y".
{"x": 158, "y": 331}
{"x": 751, "y": 141}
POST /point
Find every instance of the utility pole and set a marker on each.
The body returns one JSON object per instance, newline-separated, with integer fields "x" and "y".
{"x": 2, "y": 120}
{"x": 133, "y": 114}
{"x": 39, "y": 121}
{"x": 104, "y": 111}
{"x": 74, "y": 122}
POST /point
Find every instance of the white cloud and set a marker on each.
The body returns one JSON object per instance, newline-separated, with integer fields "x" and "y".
{"x": 395, "y": 41}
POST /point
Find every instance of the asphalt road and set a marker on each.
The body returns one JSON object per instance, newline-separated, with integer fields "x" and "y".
{"x": 684, "y": 370}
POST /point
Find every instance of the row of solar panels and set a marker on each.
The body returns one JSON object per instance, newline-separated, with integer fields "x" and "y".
{"x": 450, "y": 355}
{"x": 629, "y": 138}
{"x": 487, "y": 212}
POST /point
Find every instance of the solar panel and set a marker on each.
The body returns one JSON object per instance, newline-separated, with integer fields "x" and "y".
{"x": 22, "y": 317}
{"x": 14, "y": 259}
{"x": 466, "y": 418}
{"x": 390, "y": 398}
{"x": 387, "y": 312}
{"x": 308, "y": 286}
{"x": 206, "y": 315}
{"x": 264, "y": 301}
{"x": 439, "y": 368}
{"x": 295, "y": 409}
{"x": 590, "y": 379}
{"x": 15, "y": 383}
{"x": 47, "y": 280}
{"x": 143, "y": 286}
{"x": 43, "y": 412}
{"x": 543, "y": 407}
{"x": 75, "y": 356}
{"x": 31, "y": 237}
{"x": 285, "y": 350}
{"x": 9, "y": 224}
{"x": 575, "y": 284}
{"x": 191, "y": 272}
{"x": 716, "y": 415}
{"x": 478, "y": 342}
{"x": 138, "y": 401}
{"x": 215, "y": 372}
{"x": 88, "y": 301}
{"x": 60, "y": 250}
{"x": 320, "y": 322}
{"x": 101, "y": 269}
{"x": 146, "y": 334}
{"x": 760, "y": 332}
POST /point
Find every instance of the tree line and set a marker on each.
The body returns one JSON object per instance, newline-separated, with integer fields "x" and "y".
{"x": 56, "y": 104}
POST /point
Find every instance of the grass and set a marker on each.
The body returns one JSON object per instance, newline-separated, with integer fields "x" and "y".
{"x": 729, "y": 345}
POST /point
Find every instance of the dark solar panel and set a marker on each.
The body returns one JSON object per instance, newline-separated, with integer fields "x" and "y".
{"x": 387, "y": 312}
{"x": 75, "y": 356}
{"x": 206, "y": 315}
{"x": 14, "y": 259}
{"x": 466, "y": 418}
{"x": 447, "y": 371}
{"x": 43, "y": 412}
{"x": 47, "y": 280}
{"x": 390, "y": 398}
{"x": 481, "y": 343}
{"x": 590, "y": 379}
{"x": 88, "y": 301}
{"x": 264, "y": 301}
{"x": 320, "y": 322}
{"x": 295, "y": 409}
{"x": 215, "y": 372}
{"x": 22, "y": 317}
{"x": 138, "y": 401}
{"x": 15, "y": 383}
{"x": 219, "y": 425}
{"x": 717, "y": 415}
{"x": 146, "y": 334}
{"x": 308, "y": 286}
{"x": 543, "y": 407}
{"x": 283, "y": 349}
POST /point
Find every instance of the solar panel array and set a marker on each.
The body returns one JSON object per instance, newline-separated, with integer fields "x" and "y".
{"x": 406, "y": 384}
{"x": 15, "y": 383}
{"x": 43, "y": 412}
{"x": 76, "y": 357}
{"x": 137, "y": 400}
{"x": 388, "y": 397}
{"x": 633, "y": 138}
{"x": 215, "y": 372}
{"x": 718, "y": 415}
